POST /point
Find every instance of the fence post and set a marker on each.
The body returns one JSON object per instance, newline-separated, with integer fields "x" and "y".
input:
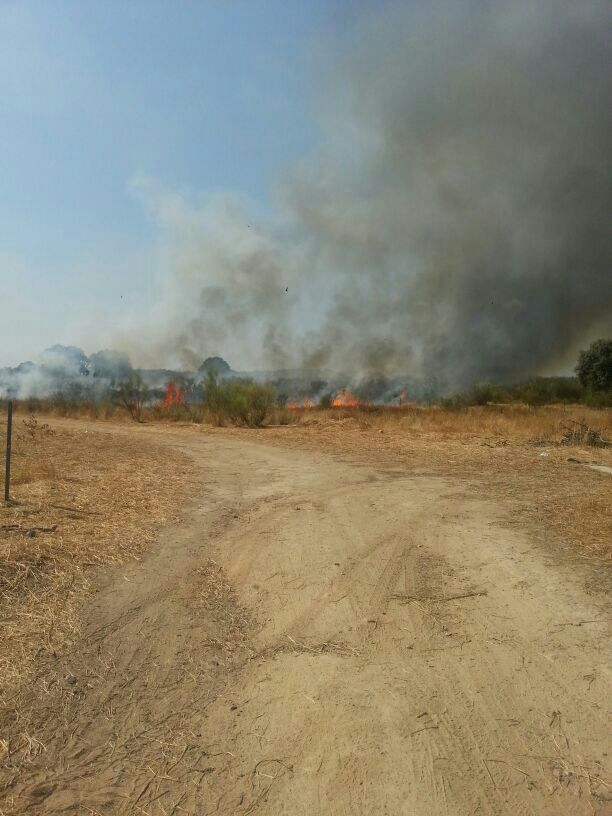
{"x": 9, "y": 434}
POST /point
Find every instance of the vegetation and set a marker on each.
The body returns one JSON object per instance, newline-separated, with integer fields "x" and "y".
{"x": 537, "y": 391}
{"x": 594, "y": 369}
{"x": 237, "y": 401}
{"x": 133, "y": 396}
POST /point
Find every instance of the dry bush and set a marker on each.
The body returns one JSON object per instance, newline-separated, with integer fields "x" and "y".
{"x": 577, "y": 432}
{"x": 30, "y": 461}
{"x": 75, "y": 409}
{"x": 284, "y": 416}
{"x": 187, "y": 412}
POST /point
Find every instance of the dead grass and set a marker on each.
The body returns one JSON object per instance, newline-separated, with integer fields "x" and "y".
{"x": 518, "y": 455}
{"x": 79, "y": 500}
{"x": 512, "y": 422}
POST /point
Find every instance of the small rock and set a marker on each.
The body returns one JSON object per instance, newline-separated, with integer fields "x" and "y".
{"x": 572, "y": 459}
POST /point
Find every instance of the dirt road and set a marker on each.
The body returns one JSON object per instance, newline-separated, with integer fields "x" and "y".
{"x": 326, "y": 638}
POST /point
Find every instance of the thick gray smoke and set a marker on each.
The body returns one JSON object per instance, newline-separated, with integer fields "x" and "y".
{"x": 454, "y": 222}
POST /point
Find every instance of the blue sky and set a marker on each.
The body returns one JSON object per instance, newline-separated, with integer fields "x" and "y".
{"x": 197, "y": 94}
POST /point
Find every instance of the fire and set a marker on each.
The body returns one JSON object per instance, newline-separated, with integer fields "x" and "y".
{"x": 344, "y": 399}
{"x": 403, "y": 403}
{"x": 174, "y": 394}
{"x": 296, "y": 404}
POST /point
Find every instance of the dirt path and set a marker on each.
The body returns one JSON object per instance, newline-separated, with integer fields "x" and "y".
{"x": 389, "y": 647}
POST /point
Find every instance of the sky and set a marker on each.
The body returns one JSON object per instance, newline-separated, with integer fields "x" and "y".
{"x": 196, "y": 95}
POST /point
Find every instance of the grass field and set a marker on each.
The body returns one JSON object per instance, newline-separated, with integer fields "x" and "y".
{"x": 79, "y": 500}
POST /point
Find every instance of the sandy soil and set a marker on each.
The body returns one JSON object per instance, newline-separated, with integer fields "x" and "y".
{"x": 322, "y": 636}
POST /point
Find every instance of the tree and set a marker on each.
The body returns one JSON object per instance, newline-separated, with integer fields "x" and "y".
{"x": 594, "y": 367}
{"x": 216, "y": 364}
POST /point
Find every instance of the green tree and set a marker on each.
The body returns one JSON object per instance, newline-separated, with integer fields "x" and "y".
{"x": 594, "y": 367}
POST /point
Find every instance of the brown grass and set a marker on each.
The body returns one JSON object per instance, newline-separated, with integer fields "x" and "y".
{"x": 79, "y": 500}
{"x": 513, "y": 422}
{"x": 509, "y": 453}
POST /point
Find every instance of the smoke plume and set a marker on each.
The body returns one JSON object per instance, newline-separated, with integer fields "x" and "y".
{"x": 452, "y": 223}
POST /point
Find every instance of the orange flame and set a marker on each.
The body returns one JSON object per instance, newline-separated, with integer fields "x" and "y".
{"x": 403, "y": 402}
{"x": 344, "y": 399}
{"x": 174, "y": 395}
{"x": 296, "y": 405}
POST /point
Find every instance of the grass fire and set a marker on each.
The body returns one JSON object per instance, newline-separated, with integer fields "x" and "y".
{"x": 359, "y": 564}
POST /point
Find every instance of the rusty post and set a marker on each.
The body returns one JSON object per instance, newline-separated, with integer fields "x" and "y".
{"x": 9, "y": 435}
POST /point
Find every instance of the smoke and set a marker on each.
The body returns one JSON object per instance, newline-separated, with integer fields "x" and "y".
{"x": 452, "y": 224}
{"x": 222, "y": 283}
{"x": 68, "y": 371}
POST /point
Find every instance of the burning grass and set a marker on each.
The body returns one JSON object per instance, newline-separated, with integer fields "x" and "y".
{"x": 79, "y": 500}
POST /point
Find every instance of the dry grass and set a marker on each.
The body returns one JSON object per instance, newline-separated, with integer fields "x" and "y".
{"x": 79, "y": 500}
{"x": 515, "y": 454}
{"x": 512, "y": 422}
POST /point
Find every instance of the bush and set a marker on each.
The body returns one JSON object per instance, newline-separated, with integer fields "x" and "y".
{"x": 599, "y": 399}
{"x": 594, "y": 367}
{"x": 546, "y": 390}
{"x": 239, "y": 402}
{"x": 536, "y": 391}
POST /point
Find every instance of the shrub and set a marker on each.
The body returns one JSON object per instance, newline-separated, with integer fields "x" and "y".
{"x": 237, "y": 401}
{"x": 536, "y": 391}
{"x": 545, "y": 390}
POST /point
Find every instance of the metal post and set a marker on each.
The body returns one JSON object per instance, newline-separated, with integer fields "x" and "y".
{"x": 9, "y": 434}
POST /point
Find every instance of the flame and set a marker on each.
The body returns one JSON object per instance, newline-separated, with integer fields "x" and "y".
{"x": 403, "y": 403}
{"x": 296, "y": 404}
{"x": 174, "y": 395}
{"x": 344, "y": 399}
